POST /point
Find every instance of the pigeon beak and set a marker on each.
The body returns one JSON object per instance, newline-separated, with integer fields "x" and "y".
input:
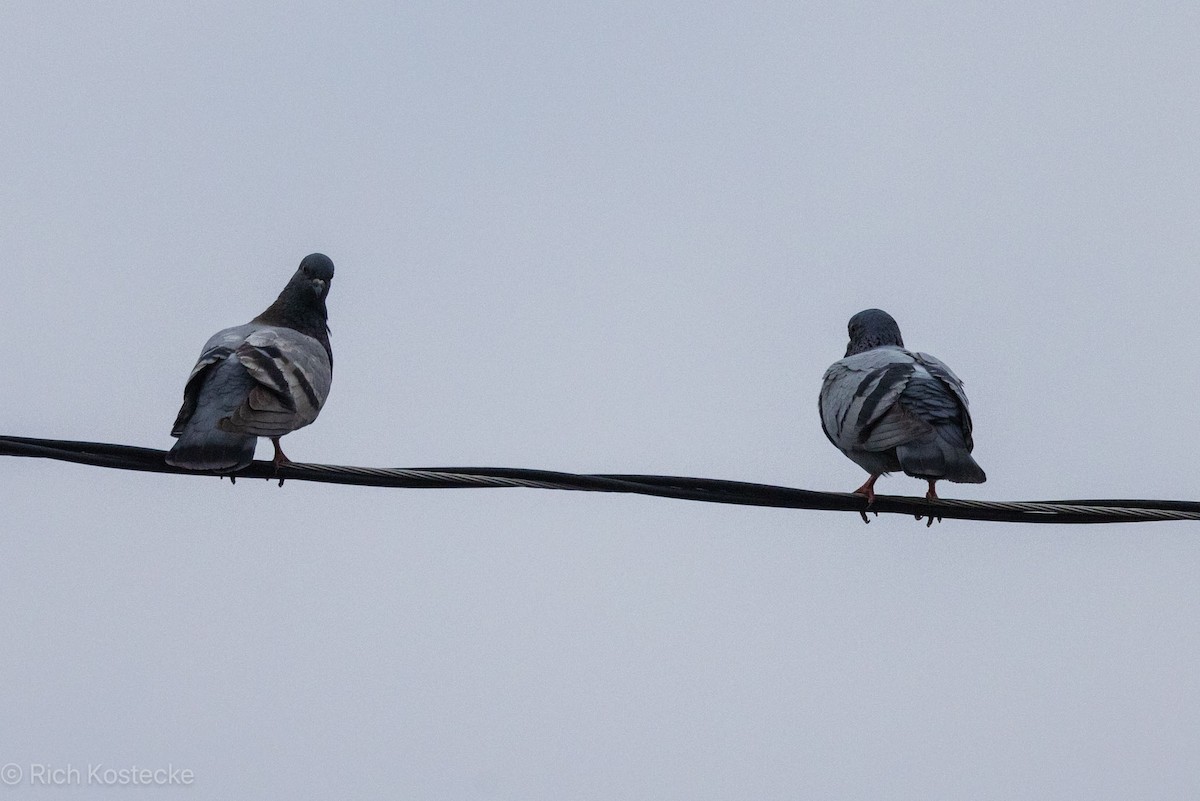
{"x": 319, "y": 285}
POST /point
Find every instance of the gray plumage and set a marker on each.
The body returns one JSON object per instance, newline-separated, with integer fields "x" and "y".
{"x": 891, "y": 409}
{"x": 266, "y": 378}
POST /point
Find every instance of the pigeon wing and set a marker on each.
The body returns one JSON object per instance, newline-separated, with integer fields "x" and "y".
{"x": 952, "y": 398}
{"x": 858, "y": 401}
{"x": 219, "y": 346}
{"x": 292, "y": 377}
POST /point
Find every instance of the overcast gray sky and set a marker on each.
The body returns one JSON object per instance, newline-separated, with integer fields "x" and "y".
{"x": 609, "y": 237}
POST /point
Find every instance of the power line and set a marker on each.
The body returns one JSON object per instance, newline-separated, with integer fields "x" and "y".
{"x": 126, "y": 457}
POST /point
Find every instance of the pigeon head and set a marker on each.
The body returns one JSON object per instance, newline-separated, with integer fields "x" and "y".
{"x": 317, "y": 270}
{"x": 301, "y": 304}
{"x": 871, "y": 329}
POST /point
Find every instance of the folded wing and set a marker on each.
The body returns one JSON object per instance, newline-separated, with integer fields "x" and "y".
{"x": 292, "y": 377}
{"x": 859, "y": 399}
{"x": 250, "y": 381}
{"x": 890, "y": 409}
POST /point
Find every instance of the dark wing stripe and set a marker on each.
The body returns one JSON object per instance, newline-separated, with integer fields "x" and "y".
{"x": 272, "y": 372}
{"x": 267, "y": 372}
{"x": 306, "y": 387}
{"x": 886, "y": 379}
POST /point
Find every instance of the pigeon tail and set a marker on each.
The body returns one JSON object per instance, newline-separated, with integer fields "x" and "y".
{"x": 204, "y": 443}
{"x": 942, "y": 454}
{"x": 212, "y": 450}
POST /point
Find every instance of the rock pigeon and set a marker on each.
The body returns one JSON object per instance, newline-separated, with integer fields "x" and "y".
{"x": 889, "y": 409}
{"x": 266, "y": 378}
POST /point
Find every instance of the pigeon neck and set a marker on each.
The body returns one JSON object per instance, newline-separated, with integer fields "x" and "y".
{"x": 873, "y": 341}
{"x": 306, "y": 315}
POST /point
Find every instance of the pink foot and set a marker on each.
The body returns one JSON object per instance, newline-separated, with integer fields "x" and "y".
{"x": 931, "y": 495}
{"x": 868, "y": 490}
{"x": 280, "y": 457}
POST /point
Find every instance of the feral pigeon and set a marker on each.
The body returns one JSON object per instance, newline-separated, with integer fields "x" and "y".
{"x": 889, "y": 409}
{"x": 266, "y": 378}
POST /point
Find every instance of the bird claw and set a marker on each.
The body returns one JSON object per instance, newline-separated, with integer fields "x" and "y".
{"x": 931, "y": 496}
{"x": 280, "y": 458}
{"x": 867, "y": 490}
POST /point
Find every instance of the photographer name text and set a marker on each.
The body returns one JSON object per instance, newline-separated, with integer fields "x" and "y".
{"x": 37, "y": 774}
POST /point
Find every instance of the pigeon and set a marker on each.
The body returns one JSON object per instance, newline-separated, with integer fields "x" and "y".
{"x": 890, "y": 409}
{"x": 266, "y": 378}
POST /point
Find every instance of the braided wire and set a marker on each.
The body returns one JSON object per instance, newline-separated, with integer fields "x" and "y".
{"x": 127, "y": 457}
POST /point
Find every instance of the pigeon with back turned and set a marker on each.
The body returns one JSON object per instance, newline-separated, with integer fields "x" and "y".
{"x": 890, "y": 409}
{"x": 266, "y": 378}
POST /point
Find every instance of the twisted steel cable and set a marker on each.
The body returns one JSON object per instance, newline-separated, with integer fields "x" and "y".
{"x": 126, "y": 457}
